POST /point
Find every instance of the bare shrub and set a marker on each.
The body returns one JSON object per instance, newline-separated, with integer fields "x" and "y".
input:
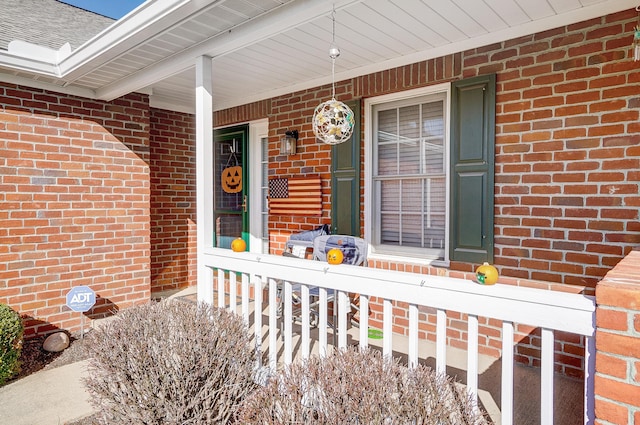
{"x": 170, "y": 363}
{"x": 359, "y": 387}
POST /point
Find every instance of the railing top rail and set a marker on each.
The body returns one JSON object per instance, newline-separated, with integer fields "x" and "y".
{"x": 562, "y": 311}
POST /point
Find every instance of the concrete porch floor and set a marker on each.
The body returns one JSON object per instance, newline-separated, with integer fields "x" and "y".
{"x": 568, "y": 392}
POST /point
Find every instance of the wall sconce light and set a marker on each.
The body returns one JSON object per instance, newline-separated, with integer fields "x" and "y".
{"x": 288, "y": 142}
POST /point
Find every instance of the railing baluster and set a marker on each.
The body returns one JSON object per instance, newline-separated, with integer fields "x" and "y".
{"x": 387, "y": 328}
{"x": 273, "y": 324}
{"x": 343, "y": 302}
{"x": 413, "y": 335}
{"x": 364, "y": 320}
{"x": 546, "y": 387}
{"x": 304, "y": 294}
{"x": 257, "y": 314}
{"x": 589, "y": 377}
{"x": 233, "y": 291}
{"x": 245, "y": 297}
{"x": 507, "y": 373}
{"x": 322, "y": 322}
{"x": 441, "y": 341}
{"x": 221, "y": 279}
{"x": 472, "y": 357}
{"x": 288, "y": 321}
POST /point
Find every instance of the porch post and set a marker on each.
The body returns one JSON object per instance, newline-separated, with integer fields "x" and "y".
{"x": 204, "y": 174}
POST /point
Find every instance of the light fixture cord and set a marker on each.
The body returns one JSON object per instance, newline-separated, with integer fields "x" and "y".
{"x": 333, "y": 57}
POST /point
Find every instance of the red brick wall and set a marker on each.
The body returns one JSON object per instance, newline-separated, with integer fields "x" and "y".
{"x": 617, "y": 380}
{"x": 75, "y": 204}
{"x": 568, "y": 149}
{"x": 173, "y": 200}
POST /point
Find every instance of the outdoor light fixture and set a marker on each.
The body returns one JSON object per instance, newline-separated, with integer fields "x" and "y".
{"x": 288, "y": 142}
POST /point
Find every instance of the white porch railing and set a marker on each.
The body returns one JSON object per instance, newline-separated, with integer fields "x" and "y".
{"x": 550, "y": 311}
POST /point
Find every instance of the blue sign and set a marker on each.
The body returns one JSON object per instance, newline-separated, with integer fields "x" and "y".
{"x": 81, "y": 298}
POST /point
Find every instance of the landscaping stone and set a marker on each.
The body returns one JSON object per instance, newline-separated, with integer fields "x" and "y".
{"x": 56, "y": 342}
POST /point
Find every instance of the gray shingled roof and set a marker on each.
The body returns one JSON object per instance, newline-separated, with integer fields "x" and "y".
{"x": 48, "y": 23}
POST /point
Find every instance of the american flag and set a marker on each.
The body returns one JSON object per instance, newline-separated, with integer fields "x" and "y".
{"x": 295, "y": 196}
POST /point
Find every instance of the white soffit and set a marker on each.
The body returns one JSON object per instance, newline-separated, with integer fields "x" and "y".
{"x": 265, "y": 48}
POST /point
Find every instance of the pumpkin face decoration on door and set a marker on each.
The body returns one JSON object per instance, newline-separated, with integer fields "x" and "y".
{"x": 232, "y": 179}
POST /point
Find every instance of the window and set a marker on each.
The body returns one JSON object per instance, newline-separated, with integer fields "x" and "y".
{"x": 429, "y": 172}
{"x": 409, "y": 174}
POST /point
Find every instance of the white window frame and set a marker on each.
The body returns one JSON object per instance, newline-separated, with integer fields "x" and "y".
{"x": 391, "y": 252}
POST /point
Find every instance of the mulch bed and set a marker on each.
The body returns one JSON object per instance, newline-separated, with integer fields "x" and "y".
{"x": 33, "y": 358}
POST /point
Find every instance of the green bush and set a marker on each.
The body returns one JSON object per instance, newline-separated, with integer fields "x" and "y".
{"x": 172, "y": 362}
{"x": 11, "y": 331}
{"x": 359, "y": 387}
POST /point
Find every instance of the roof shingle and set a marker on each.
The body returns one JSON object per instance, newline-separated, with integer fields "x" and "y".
{"x": 48, "y": 23}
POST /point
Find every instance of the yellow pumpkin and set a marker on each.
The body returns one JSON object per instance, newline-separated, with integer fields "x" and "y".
{"x": 232, "y": 179}
{"x": 238, "y": 245}
{"x": 487, "y": 274}
{"x": 335, "y": 256}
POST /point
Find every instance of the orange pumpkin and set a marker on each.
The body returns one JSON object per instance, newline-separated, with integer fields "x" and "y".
{"x": 238, "y": 245}
{"x": 335, "y": 256}
{"x": 232, "y": 179}
{"x": 487, "y": 274}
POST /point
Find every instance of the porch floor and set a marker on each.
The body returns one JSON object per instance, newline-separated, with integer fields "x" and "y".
{"x": 568, "y": 392}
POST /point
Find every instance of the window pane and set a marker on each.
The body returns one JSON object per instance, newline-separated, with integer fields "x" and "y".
{"x": 412, "y": 195}
{"x": 409, "y": 157}
{"x": 435, "y": 219}
{"x": 412, "y": 230}
{"x": 432, "y": 119}
{"x": 433, "y": 156}
{"x": 387, "y": 126}
{"x": 409, "y": 122}
{"x": 434, "y": 236}
{"x": 390, "y": 196}
{"x": 388, "y": 160}
{"x": 389, "y": 233}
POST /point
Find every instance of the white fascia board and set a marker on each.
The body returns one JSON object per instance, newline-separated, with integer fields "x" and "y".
{"x": 295, "y": 13}
{"x": 18, "y": 62}
{"x": 145, "y": 22}
{"x": 28, "y": 82}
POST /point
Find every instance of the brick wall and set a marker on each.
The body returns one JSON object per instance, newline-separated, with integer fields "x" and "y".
{"x": 617, "y": 380}
{"x": 74, "y": 186}
{"x": 568, "y": 149}
{"x": 173, "y": 200}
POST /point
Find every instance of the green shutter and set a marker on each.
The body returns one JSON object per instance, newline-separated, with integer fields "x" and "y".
{"x": 473, "y": 106}
{"x": 345, "y": 181}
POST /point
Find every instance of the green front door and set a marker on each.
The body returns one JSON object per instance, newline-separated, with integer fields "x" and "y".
{"x": 231, "y": 185}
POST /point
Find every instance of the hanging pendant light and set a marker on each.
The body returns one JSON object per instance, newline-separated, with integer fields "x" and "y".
{"x": 333, "y": 121}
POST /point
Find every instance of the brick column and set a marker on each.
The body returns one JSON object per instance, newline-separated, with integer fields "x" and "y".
{"x": 617, "y": 380}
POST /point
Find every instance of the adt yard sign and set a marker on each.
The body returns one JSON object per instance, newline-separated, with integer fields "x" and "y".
{"x": 81, "y": 298}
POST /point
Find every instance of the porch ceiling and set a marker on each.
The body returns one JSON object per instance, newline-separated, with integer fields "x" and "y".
{"x": 263, "y": 48}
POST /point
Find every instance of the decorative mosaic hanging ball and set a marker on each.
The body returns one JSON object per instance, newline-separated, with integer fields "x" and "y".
{"x": 333, "y": 122}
